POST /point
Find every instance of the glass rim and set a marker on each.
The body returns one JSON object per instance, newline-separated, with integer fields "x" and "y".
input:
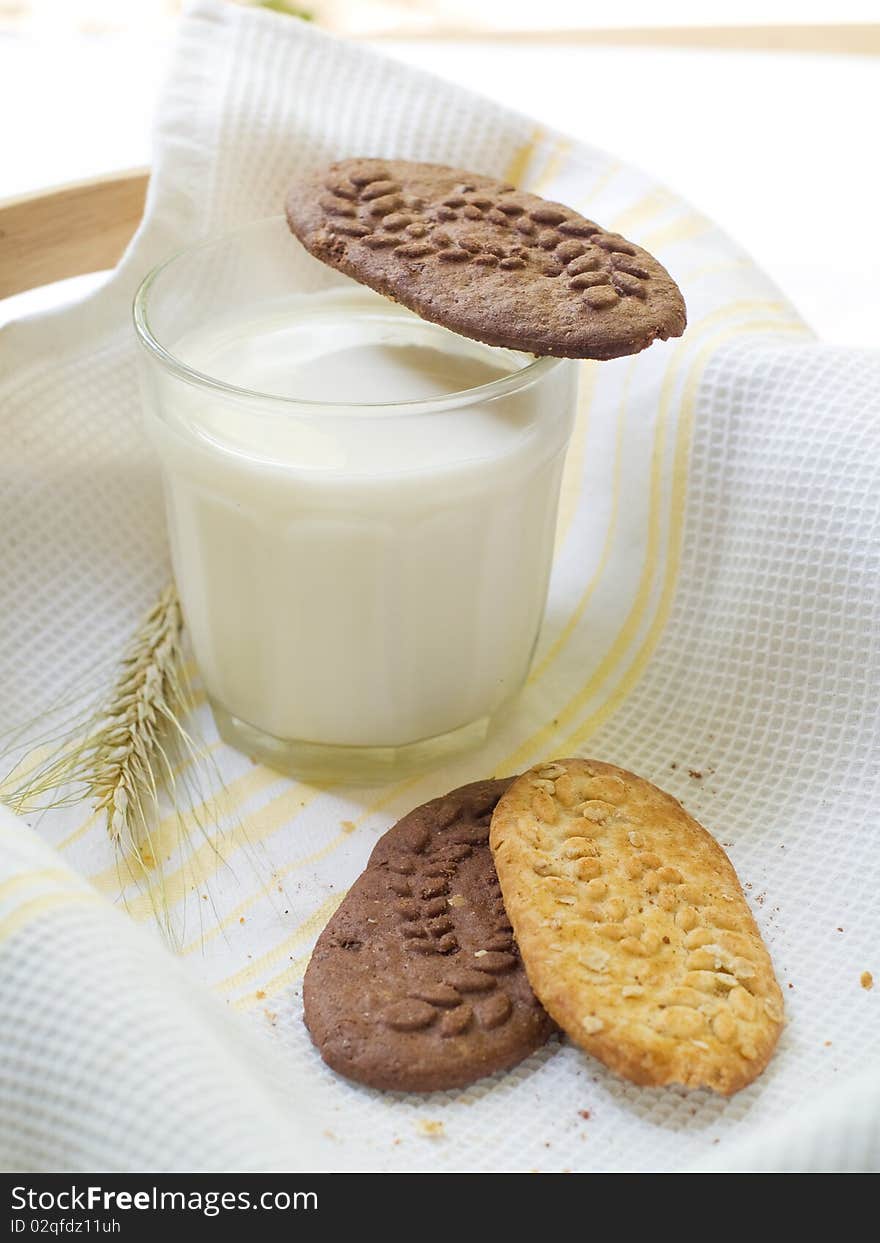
{"x": 512, "y": 382}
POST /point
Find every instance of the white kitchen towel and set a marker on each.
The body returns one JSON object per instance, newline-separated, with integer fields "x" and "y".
{"x": 712, "y": 624}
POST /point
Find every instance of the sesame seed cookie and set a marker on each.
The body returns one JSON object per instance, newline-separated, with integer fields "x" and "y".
{"x": 633, "y": 928}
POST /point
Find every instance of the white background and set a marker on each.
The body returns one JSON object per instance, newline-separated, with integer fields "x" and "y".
{"x": 779, "y": 148}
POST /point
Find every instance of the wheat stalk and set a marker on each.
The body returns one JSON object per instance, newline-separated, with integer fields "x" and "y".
{"x": 120, "y": 750}
{"x": 120, "y": 755}
{"x": 126, "y": 758}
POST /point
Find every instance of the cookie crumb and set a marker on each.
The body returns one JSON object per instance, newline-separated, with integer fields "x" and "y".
{"x": 241, "y": 919}
{"x": 431, "y": 1128}
{"x": 347, "y": 826}
{"x": 866, "y": 980}
{"x": 584, "y": 1113}
{"x": 695, "y": 773}
{"x": 260, "y": 994}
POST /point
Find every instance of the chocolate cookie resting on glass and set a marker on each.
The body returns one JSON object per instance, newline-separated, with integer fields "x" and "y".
{"x": 485, "y": 259}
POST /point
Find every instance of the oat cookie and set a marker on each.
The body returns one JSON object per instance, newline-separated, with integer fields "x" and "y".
{"x": 633, "y": 927}
{"x": 484, "y": 259}
{"x": 416, "y": 983}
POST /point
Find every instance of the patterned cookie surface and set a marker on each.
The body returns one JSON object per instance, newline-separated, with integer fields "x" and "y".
{"x": 633, "y": 927}
{"x": 416, "y": 983}
{"x": 486, "y": 260}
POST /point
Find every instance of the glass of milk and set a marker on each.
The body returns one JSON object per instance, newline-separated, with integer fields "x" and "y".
{"x": 361, "y": 506}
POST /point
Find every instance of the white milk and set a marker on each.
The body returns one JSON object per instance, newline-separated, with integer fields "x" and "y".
{"x": 363, "y": 576}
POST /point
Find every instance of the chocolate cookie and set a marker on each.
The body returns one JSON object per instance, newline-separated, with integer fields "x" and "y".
{"x": 486, "y": 260}
{"x": 416, "y": 983}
